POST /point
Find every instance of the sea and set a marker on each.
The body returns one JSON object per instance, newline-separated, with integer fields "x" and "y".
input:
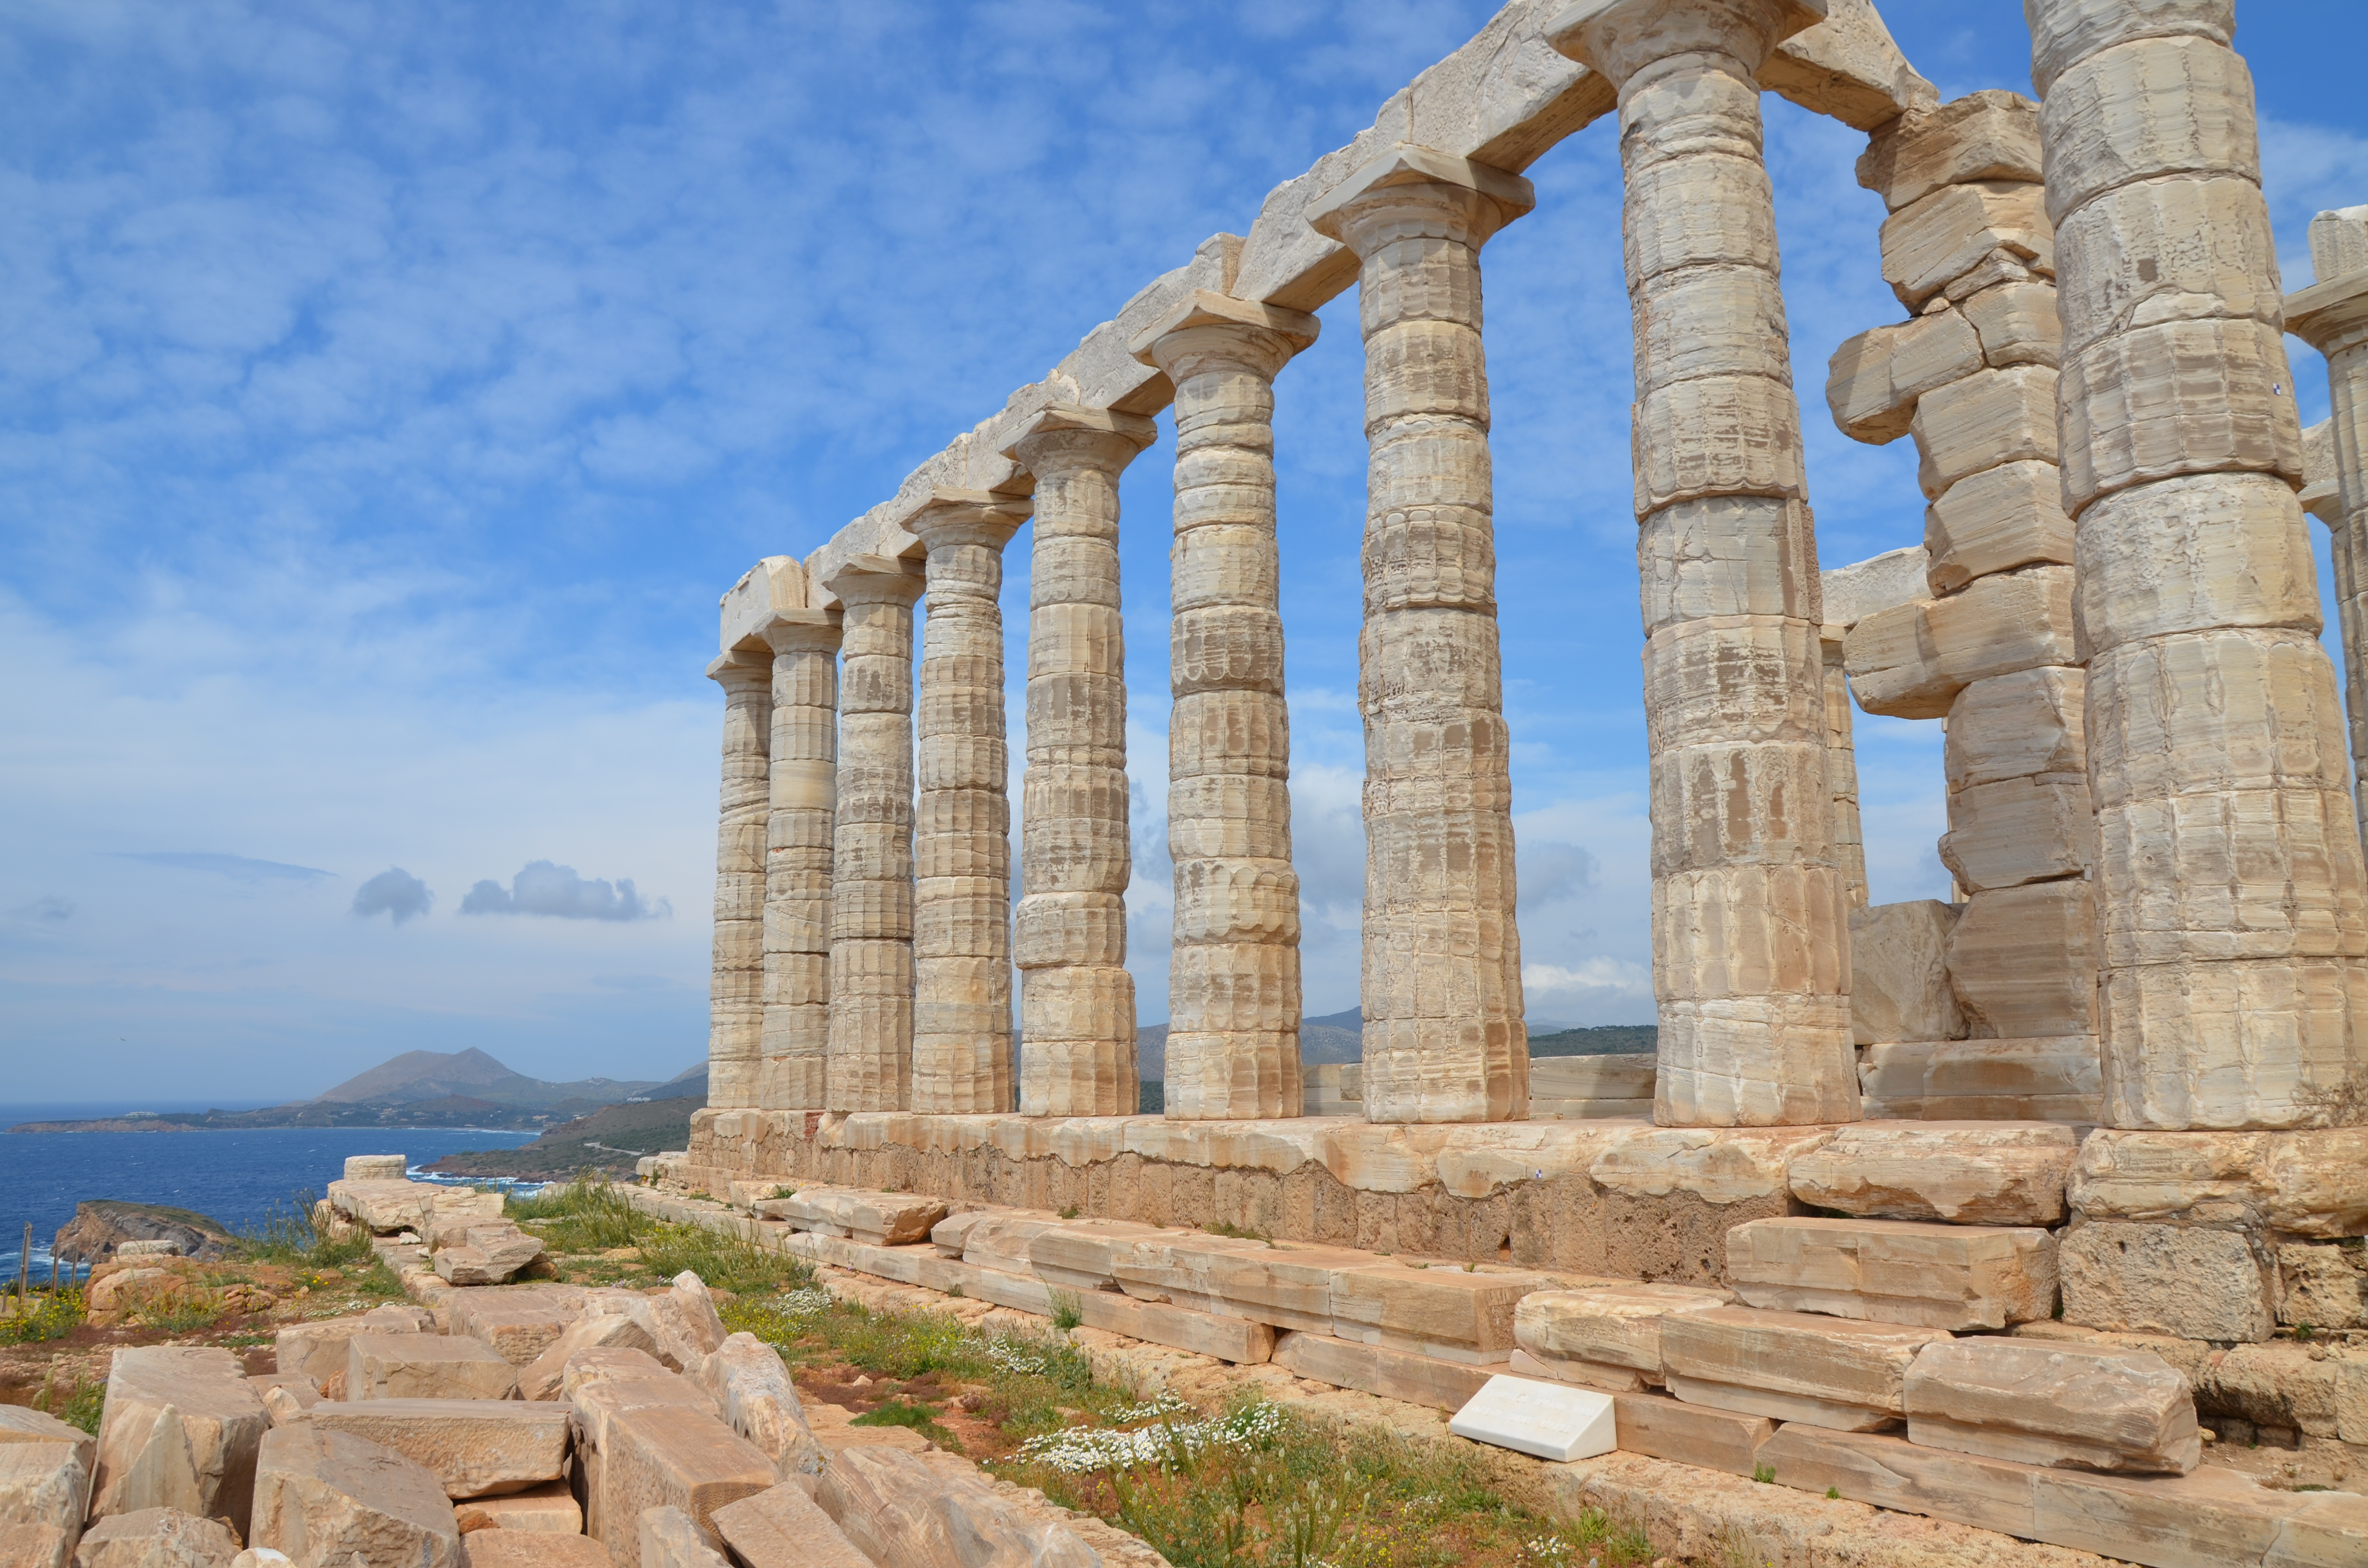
{"x": 240, "y": 1178}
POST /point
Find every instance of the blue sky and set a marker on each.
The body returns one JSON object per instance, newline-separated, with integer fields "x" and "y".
{"x": 389, "y": 391}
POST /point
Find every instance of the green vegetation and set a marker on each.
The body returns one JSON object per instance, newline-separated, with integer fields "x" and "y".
{"x": 1227, "y": 1228}
{"x": 1765, "y": 1475}
{"x": 1256, "y": 1486}
{"x": 1067, "y": 1311}
{"x": 290, "y": 1238}
{"x": 44, "y": 1318}
{"x": 76, "y": 1406}
{"x": 593, "y": 1215}
{"x": 586, "y": 1215}
{"x": 1603, "y": 1039}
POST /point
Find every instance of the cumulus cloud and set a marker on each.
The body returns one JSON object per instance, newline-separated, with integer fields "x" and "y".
{"x": 394, "y": 892}
{"x": 1590, "y": 979}
{"x": 238, "y": 867}
{"x": 542, "y": 888}
{"x": 48, "y": 908}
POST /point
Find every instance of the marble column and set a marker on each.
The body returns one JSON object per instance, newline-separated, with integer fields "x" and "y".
{"x": 1444, "y": 1038}
{"x": 1232, "y": 977}
{"x": 799, "y": 824}
{"x": 1750, "y": 905}
{"x": 1076, "y": 1000}
{"x": 736, "y": 990}
{"x": 2331, "y": 315}
{"x": 1841, "y": 771}
{"x": 870, "y": 1052}
{"x": 962, "y": 918}
{"x": 2233, "y": 909}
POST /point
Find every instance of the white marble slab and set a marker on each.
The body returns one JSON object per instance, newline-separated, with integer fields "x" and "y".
{"x": 1553, "y": 1420}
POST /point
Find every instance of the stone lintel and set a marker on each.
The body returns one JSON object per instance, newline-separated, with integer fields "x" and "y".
{"x": 786, "y": 631}
{"x": 2331, "y": 316}
{"x": 1407, "y": 164}
{"x": 1140, "y": 429}
{"x": 1205, "y": 307}
{"x": 775, "y": 582}
{"x": 876, "y": 578}
{"x": 741, "y": 663}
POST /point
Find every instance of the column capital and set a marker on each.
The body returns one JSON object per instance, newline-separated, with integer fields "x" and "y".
{"x": 968, "y": 517}
{"x": 740, "y": 669}
{"x": 1066, "y": 435}
{"x": 1264, "y": 332}
{"x": 2331, "y": 316}
{"x": 876, "y": 579}
{"x": 1619, "y": 38}
{"x": 802, "y": 630}
{"x": 1408, "y": 175}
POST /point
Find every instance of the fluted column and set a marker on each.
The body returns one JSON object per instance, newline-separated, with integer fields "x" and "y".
{"x": 2331, "y": 315}
{"x": 1444, "y": 1038}
{"x": 803, "y": 792}
{"x": 962, "y": 921}
{"x": 871, "y": 843}
{"x": 1233, "y": 976}
{"x": 736, "y": 989}
{"x": 1750, "y": 907}
{"x": 1076, "y": 1000}
{"x": 2233, "y": 911}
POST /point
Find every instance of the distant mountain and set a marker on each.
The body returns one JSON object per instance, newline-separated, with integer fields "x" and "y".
{"x": 1340, "y": 1036}
{"x": 690, "y": 1084}
{"x": 417, "y": 1076}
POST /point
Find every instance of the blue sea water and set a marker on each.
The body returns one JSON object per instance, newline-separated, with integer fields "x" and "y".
{"x": 237, "y": 1177}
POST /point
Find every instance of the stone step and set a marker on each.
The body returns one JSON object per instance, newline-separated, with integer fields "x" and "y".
{"x": 1605, "y": 1337}
{"x": 1380, "y": 1369}
{"x": 883, "y": 1219}
{"x": 2084, "y": 1407}
{"x": 1793, "y": 1366}
{"x": 1951, "y": 1276}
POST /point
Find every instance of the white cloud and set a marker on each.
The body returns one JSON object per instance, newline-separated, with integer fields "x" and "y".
{"x": 542, "y": 888}
{"x": 395, "y": 892}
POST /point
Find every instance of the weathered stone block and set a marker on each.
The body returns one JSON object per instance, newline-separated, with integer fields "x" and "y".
{"x": 1982, "y": 421}
{"x": 1289, "y": 1287}
{"x": 1874, "y": 380}
{"x": 1609, "y": 1326}
{"x": 750, "y": 1384}
{"x": 936, "y": 1512}
{"x": 666, "y": 1537}
{"x": 1997, "y": 521}
{"x": 2206, "y": 552}
{"x": 1912, "y": 661}
{"x": 2023, "y": 962}
{"x": 44, "y": 1487}
{"x": 2059, "y": 1406}
{"x": 531, "y": 1549}
{"x": 180, "y": 1430}
{"x": 377, "y": 1167}
{"x": 491, "y": 1255}
{"x": 521, "y": 1324}
{"x": 1667, "y": 1428}
{"x": 784, "y": 1527}
{"x": 1793, "y": 1366}
{"x": 2020, "y": 831}
{"x": 1991, "y": 135}
{"x": 1436, "y": 1311}
{"x": 2183, "y": 397}
{"x": 1899, "y": 976}
{"x": 1085, "y": 1255}
{"x": 544, "y": 1377}
{"x": 1891, "y": 1472}
{"x": 318, "y": 1350}
{"x": 672, "y": 1456}
{"x": 2001, "y": 1173}
{"x": 2323, "y": 1285}
{"x": 425, "y": 1365}
{"x": 474, "y": 1448}
{"x": 1953, "y": 1277}
{"x": 2025, "y": 725}
{"x": 547, "y": 1509}
{"x": 1941, "y": 236}
{"x": 2176, "y": 1279}
{"x": 2311, "y": 1182}
{"x": 156, "y": 1537}
{"x": 324, "y": 1497}
{"x": 1380, "y": 1370}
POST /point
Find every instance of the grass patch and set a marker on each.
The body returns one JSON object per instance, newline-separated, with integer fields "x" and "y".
{"x": 591, "y": 1215}
{"x": 727, "y": 1262}
{"x": 78, "y": 1405}
{"x": 44, "y": 1318}
{"x": 290, "y": 1238}
{"x": 921, "y": 1418}
{"x": 1228, "y": 1229}
{"x": 588, "y": 1215}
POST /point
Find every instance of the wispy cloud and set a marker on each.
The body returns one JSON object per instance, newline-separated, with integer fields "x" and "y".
{"x": 238, "y": 867}
{"x": 49, "y": 908}
{"x": 394, "y": 892}
{"x": 542, "y": 888}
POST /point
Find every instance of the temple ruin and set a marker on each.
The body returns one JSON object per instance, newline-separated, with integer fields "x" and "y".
{"x": 2050, "y": 1173}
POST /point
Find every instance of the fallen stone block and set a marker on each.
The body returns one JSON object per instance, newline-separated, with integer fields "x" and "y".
{"x": 180, "y": 1430}
{"x": 425, "y": 1365}
{"x": 542, "y": 1377}
{"x": 1380, "y": 1369}
{"x": 1793, "y": 1366}
{"x": 1954, "y": 1277}
{"x": 2023, "y": 961}
{"x": 383, "y": 1206}
{"x": 1667, "y": 1428}
{"x": 671, "y": 1456}
{"x": 751, "y": 1386}
{"x": 599, "y": 1364}
{"x": 2052, "y": 1080}
{"x": 2175, "y": 1280}
{"x": 474, "y": 1448}
{"x": 2001, "y": 519}
{"x": 1899, "y": 977}
{"x": 901, "y": 1508}
{"x": 1549, "y": 1421}
{"x": 550, "y": 1508}
{"x": 593, "y": 1404}
{"x": 36, "y": 1546}
{"x": 325, "y": 1497}
{"x": 287, "y": 1398}
{"x": 1607, "y": 1327}
{"x": 1911, "y": 662}
{"x": 491, "y": 1255}
{"x": 668, "y": 1537}
{"x": 1439, "y": 1311}
{"x": 1964, "y": 1173}
{"x": 377, "y": 1167}
{"x": 696, "y": 1309}
{"x": 531, "y": 1549}
{"x": 521, "y": 1322}
{"x": 2082, "y": 1407}
{"x": 156, "y": 1537}
{"x": 21, "y": 1424}
{"x": 784, "y": 1528}
{"x": 43, "y": 1485}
